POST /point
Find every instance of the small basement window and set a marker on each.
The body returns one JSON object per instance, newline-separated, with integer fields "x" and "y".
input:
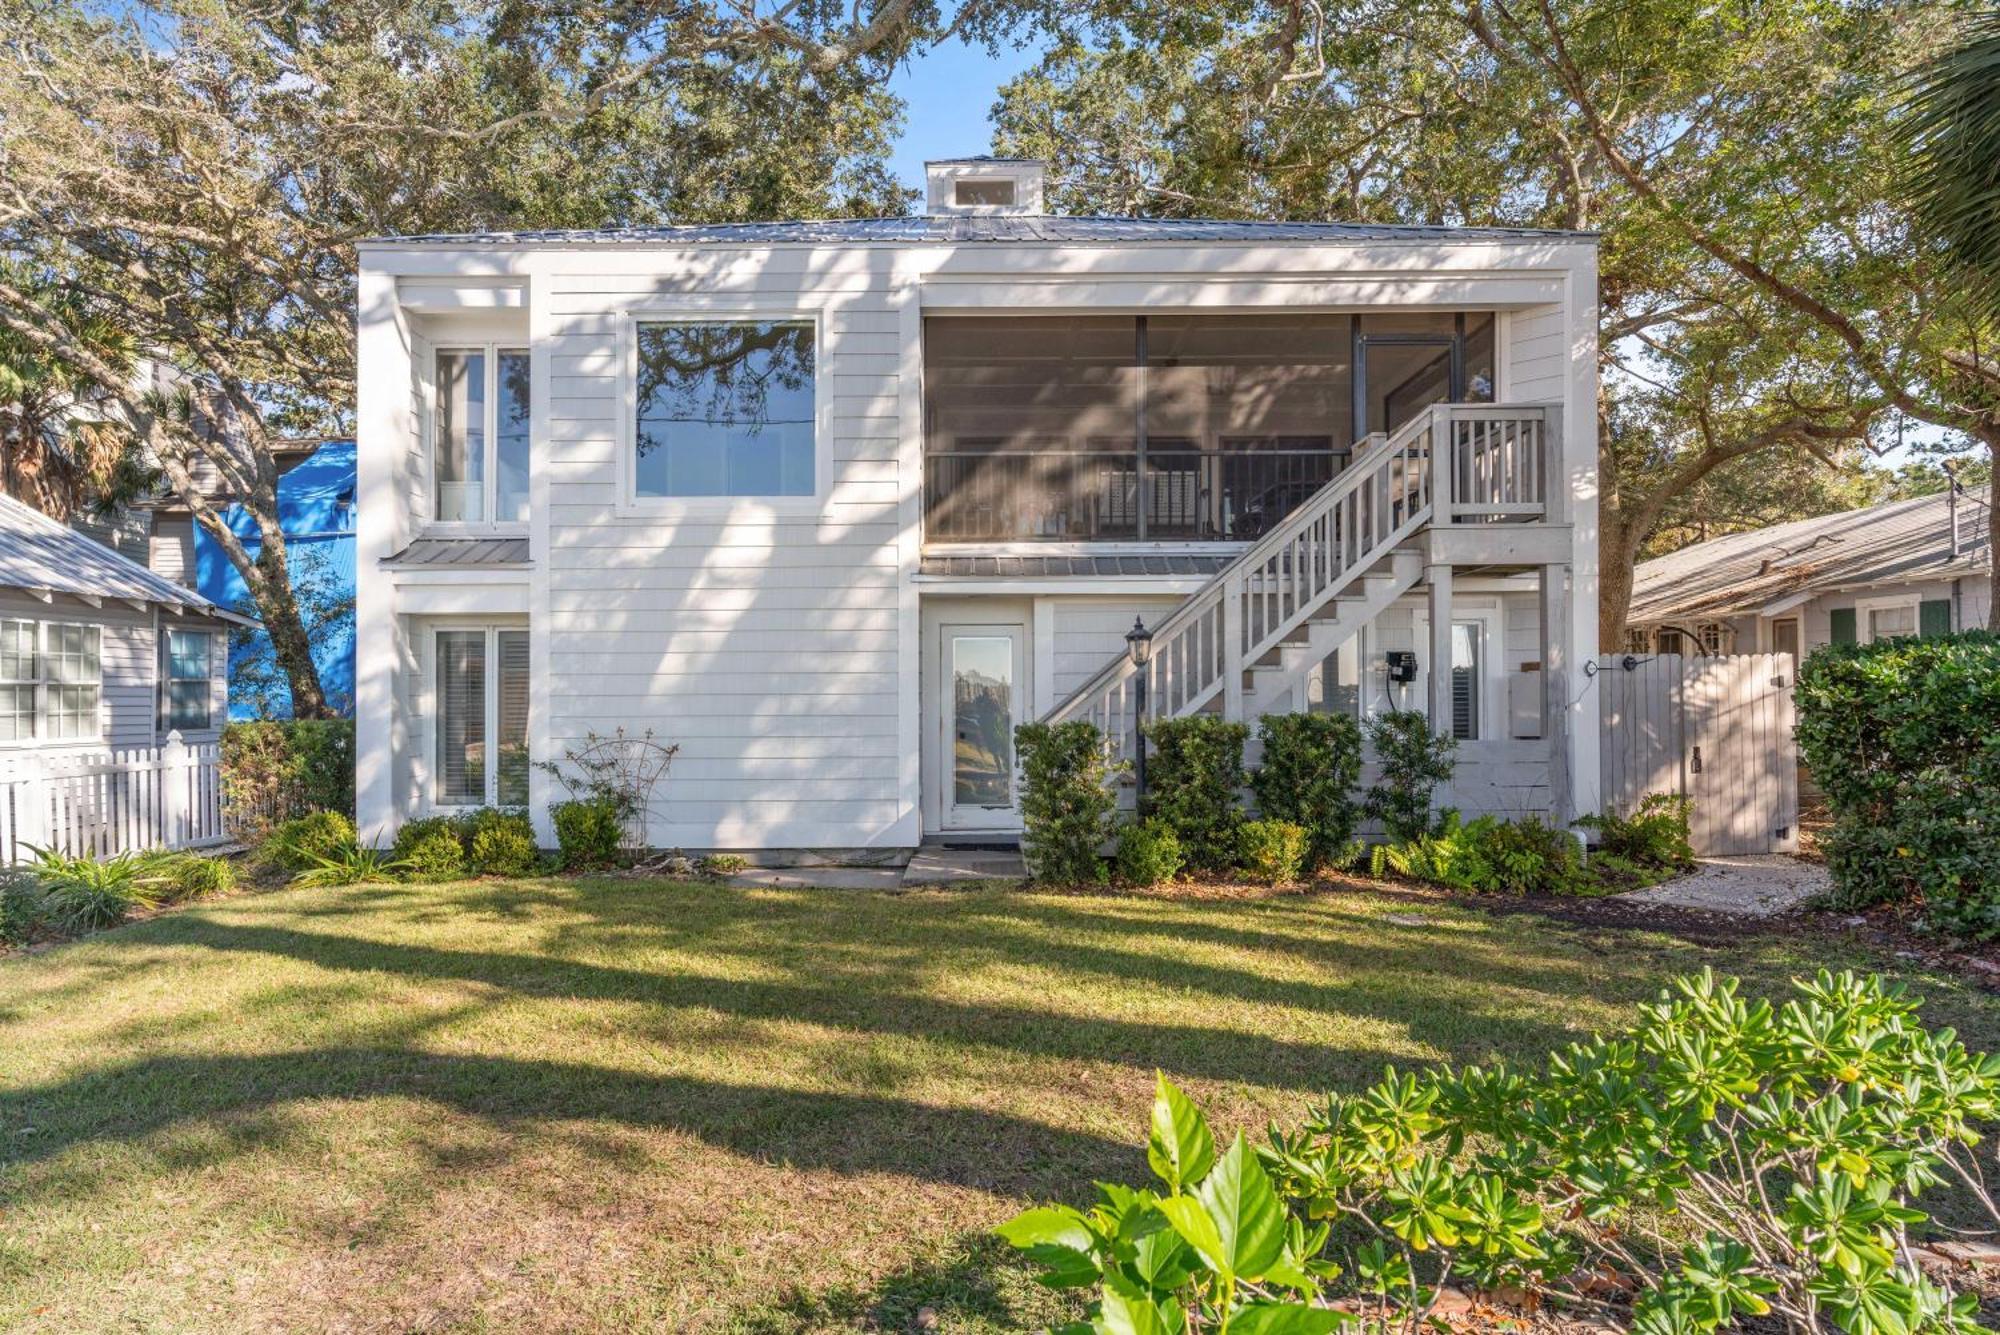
{"x": 983, "y": 194}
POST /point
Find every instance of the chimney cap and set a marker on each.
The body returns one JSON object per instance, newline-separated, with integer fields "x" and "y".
{"x": 984, "y": 185}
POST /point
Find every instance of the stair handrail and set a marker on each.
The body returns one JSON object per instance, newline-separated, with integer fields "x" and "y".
{"x": 1379, "y": 450}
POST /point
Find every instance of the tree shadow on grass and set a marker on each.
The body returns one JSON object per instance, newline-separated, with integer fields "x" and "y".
{"x": 975, "y": 1284}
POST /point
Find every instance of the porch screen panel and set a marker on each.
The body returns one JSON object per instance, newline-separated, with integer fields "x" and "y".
{"x": 511, "y": 779}
{"x": 1030, "y": 427}
{"x": 1246, "y": 416}
{"x": 461, "y": 717}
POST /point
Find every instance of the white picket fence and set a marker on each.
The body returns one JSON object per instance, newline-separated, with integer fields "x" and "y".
{"x": 110, "y": 802}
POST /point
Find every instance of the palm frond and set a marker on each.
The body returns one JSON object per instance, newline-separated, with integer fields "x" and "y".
{"x": 1950, "y": 131}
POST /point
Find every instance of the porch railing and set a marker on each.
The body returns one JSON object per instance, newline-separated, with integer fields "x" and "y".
{"x": 1178, "y": 495}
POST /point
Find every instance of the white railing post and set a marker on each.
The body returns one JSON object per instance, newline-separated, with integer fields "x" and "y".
{"x": 1232, "y": 647}
{"x": 31, "y": 804}
{"x": 1444, "y": 464}
{"x": 174, "y": 791}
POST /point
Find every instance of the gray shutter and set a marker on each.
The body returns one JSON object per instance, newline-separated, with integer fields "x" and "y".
{"x": 1841, "y": 624}
{"x": 1934, "y": 617}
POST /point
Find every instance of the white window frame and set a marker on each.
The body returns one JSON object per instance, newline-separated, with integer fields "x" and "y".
{"x": 163, "y": 695}
{"x": 630, "y": 504}
{"x": 1864, "y": 632}
{"x": 434, "y": 708}
{"x": 40, "y": 737}
{"x": 490, "y": 478}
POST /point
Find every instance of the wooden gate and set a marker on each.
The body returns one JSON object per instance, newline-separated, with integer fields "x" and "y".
{"x": 1715, "y": 729}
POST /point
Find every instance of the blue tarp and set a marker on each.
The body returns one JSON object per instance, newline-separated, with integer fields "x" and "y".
{"x": 316, "y": 507}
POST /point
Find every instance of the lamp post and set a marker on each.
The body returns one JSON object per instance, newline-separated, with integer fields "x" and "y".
{"x": 1139, "y": 647}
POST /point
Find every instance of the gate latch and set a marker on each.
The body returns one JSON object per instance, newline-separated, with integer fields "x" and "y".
{"x": 1696, "y": 766}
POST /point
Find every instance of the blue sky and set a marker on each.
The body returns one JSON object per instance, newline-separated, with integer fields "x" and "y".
{"x": 950, "y": 91}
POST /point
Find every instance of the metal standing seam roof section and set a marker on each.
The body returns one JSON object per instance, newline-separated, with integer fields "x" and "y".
{"x": 953, "y": 229}
{"x": 1741, "y": 572}
{"x": 508, "y": 551}
{"x": 40, "y": 554}
{"x": 1068, "y": 566}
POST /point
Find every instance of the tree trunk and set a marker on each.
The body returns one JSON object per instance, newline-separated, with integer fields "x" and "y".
{"x": 1617, "y": 553}
{"x": 279, "y": 611}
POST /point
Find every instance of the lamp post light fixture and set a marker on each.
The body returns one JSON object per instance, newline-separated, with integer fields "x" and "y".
{"x": 1139, "y": 647}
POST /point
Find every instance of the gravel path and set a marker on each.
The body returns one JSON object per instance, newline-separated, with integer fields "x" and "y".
{"x": 1758, "y": 886}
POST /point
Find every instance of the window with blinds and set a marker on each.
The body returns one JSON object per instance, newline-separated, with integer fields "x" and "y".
{"x": 1465, "y": 668}
{"x": 482, "y": 694}
{"x": 184, "y": 676}
{"x": 480, "y": 435}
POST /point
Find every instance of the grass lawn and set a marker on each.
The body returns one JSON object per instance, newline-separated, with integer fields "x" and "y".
{"x": 615, "y": 1105}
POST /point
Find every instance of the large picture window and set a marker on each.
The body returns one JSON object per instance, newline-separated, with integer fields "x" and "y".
{"x": 724, "y": 408}
{"x": 482, "y": 693}
{"x": 51, "y": 681}
{"x": 479, "y": 465}
{"x": 186, "y": 698}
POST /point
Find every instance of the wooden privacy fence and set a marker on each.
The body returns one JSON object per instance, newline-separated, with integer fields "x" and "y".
{"x": 111, "y": 802}
{"x": 1715, "y": 729}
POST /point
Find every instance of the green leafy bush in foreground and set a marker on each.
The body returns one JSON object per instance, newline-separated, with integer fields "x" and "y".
{"x": 298, "y": 844}
{"x": 589, "y": 831}
{"x": 430, "y": 849}
{"x": 1725, "y": 1158}
{"x": 1273, "y": 851}
{"x": 74, "y": 894}
{"x": 1312, "y": 763}
{"x": 1149, "y": 854}
{"x": 1195, "y": 772}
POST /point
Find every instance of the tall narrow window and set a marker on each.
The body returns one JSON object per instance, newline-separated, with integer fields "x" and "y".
{"x": 71, "y": 675}
{"x": 185, "y": 677}
{"x": 725, "y": 409}
{"x": 482, "y": 693}
{"x": 1465, "y": 668}
{"x": 17, "y": 681}
{"x": 480, "y": 436}
{"x": 461, "y": 717}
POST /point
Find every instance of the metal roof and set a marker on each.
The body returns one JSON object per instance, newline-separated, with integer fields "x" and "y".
{"x": 462, "y": 552}
{"x": 1745, "y": 572}
{"x": 1038, "y": 567}
{"x": 44, "y": 557}
{"x": 952, "y": 229}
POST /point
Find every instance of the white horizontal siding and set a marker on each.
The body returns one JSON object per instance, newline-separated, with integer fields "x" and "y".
{"x": 128, "y": 661}
{"x": 1090, "y": 632}
{"x": 768, "y": 646}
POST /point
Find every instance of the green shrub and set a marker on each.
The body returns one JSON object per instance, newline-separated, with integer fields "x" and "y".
{"x": 1903, "y": 736}
{"x": 1655, "y": 836}
{"x": 1312, "y": 763}
{"x": 1414, "y": 762}
{"x": 1522, "y": 857}
{"x": 301, "y": 842}
{"x": 1192, "y": 777}
{"x": 23, "y": 913}
{"x": 350, "y": 866}
{"x": 430, "y": 849}
{"x": 83, "y": 894}
{"x": 272, "y": 771}
{"x": 1273, "y": 851}
{"x": 589, "y": 831}
{"x": 1066, "y": 801}
{"x": 192, "y": 876}
{"x": 503, "y": 850}
{"x": 722, "y": 864}
{"x": 1148, "y": 853}
{"x": 1723, "y": 1159}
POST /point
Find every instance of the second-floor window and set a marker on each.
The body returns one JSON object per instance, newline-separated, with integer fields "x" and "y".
{"x": 724, "y": 408}
{"x": 479, "y": 457}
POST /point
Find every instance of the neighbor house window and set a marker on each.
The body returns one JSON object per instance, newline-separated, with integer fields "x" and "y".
{"x": 482, "y": 693}
{"x": 479, "y": 466}
{"x": 184, "y": 674}
{"x": 724, "y": 408}
{"x": 50, "y": 681}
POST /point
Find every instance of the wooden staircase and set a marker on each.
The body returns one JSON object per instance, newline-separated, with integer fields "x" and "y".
{"x": 1243, "y": 644}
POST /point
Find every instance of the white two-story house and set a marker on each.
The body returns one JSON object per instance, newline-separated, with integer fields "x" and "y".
{"x": 834, "y": 506}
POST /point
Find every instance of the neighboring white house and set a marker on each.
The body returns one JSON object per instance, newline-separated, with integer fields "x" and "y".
{"x": 835, "y": 505}
{"x": 1915, "y": 567}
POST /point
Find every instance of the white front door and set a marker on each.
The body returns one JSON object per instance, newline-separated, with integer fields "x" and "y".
{"x": 981, "y": 694}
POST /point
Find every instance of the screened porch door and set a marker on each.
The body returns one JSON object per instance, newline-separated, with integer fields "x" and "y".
{"x": 981, "y": 700}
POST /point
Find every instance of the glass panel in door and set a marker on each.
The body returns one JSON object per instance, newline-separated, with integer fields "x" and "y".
{"x": 982, "y": 669}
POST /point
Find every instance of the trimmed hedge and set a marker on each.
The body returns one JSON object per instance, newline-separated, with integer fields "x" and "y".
{"x": 1312, "y": 763}
{"x": 1066, "y": 801}
{"x": 1192, "y": 776}
{"x": 272, "y": 772}
{"x": 1903, "y": 736}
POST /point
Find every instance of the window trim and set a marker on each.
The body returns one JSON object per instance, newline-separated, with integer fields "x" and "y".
{"x": 163, "y": 680}
{"x": 40, "y": 739}
{"x": 492, "y": 350}
{"x": 1864, "y": 632}
{"x": 432, "y": 777}
{"x": 631, "y": 505}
